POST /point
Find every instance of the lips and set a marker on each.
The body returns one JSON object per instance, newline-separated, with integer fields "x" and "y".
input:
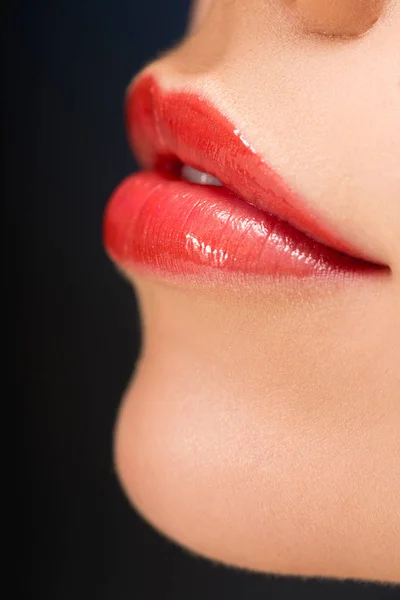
{"x": 157, "y": 222}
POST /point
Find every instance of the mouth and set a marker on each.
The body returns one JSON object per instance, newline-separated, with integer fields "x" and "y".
{"x": 207, "y": 206}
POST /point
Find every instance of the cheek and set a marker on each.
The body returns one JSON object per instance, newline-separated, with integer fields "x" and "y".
{"x": 237, "y": 466}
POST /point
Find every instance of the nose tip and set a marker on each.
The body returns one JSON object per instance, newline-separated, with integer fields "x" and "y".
{"x": 342, "y": 18}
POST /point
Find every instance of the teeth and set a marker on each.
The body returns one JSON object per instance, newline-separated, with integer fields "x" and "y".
{"x": 195, "y": 176}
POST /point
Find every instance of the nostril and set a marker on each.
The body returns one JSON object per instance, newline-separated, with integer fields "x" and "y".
{"x": 342, "y": 18}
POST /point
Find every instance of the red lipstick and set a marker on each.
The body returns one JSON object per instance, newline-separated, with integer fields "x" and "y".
{"x": 253, "y": 224}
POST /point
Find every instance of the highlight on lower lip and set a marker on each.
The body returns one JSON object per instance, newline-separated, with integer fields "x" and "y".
{"x": 181, "y": 230}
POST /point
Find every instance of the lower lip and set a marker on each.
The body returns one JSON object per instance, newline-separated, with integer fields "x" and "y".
{"x": 177, "y": 230}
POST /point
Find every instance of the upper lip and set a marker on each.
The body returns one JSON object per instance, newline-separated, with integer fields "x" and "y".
{"x": 180, "y": 127}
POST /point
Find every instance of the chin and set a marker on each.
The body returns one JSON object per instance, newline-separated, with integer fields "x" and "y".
{"x": 234, "y": 464}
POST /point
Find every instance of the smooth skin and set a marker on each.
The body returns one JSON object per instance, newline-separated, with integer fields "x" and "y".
{"x": 262, "y": 425}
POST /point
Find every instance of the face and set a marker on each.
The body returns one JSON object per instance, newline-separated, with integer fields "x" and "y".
{"x": 261, "y": 427}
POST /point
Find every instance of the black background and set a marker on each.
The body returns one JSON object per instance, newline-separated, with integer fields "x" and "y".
{"x": 65, "y": 68}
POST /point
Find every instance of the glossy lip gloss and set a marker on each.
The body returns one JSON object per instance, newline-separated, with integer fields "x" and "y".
{"x": 254, "y": 224}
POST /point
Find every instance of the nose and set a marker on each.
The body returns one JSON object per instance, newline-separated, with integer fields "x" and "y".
{"x": 344, "y": 18}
